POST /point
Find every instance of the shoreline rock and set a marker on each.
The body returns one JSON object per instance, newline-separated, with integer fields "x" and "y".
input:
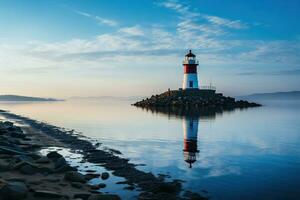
{"x": 25, "y": 174}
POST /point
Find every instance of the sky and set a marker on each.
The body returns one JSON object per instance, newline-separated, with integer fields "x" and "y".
{"x": 65, "y": 48}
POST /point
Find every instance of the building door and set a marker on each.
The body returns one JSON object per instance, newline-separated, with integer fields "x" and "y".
{"x": 191, "y": 84}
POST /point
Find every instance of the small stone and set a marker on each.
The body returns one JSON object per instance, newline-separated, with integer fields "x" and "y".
{"x": 95, "y": 192}
{"x": 75, "y": 177}
{"x": 66, "y": 168}
{"x": 104, "y": 175}
{"x": 14, "y": 190}
{"x": 23, "y": 158}
{"x": 104, "y": 197}
{"x": 16, "y": 179}
{"x": 95, "y": 187}
{"x": 28, "y": 170}
{"x": 130, "y": 187}
{"x": 3, "y": 166}
{"x": 91, "y": 176}
{"x": 84, "y": 196}
{"x": 76, "y": 185}
{"x": 52, "y": 180}
{"x": 47, "y": 194}
{"x": 102, "y": 185}
{"x": 34, "y": 182}
{"x": 43, "y": 160}
{"x": 90, "y": 171}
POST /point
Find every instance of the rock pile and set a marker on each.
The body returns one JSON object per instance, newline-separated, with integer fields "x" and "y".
{"x": 25, "y": 174}
{"x": 193, "y": 98}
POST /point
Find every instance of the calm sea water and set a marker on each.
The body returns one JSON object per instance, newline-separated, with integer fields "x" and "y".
{"x": 242, "y": 154}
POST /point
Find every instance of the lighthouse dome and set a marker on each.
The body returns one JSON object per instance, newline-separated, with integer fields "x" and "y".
{"x": 190, "y": 54}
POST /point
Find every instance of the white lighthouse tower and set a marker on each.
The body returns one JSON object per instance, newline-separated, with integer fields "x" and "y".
{"x": 190, "y": 77}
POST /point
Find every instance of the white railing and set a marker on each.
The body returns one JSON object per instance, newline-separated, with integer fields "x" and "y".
{"x": 190, "y": 62}
{"x": 208, "y": 87}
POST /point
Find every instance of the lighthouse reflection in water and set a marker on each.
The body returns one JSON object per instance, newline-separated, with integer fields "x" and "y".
{"x": 190, "y": 132}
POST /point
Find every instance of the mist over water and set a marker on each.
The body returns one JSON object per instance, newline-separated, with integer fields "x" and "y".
{"x": 239, "y": 154}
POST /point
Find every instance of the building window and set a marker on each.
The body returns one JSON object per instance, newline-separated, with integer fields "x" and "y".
{"x": 191, "y": 84}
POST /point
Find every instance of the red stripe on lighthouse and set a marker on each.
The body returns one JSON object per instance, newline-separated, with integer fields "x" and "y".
{"x": 190, "y": 69}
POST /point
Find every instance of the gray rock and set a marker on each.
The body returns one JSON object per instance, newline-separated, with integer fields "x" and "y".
{"x": 43, "y": 160}
{"x": 52, "y": 180}
{"x": 23, "y": 158}
{"x": 104, "y": 175}
{"x": 53, "y": 155}
{"x": 46, "y": 170}
{"x": 98, "y": 186}
{"x": 102, "y": 185}
{"x": 47, "y": 194}
{"x": 65, "y": 168}
{"x": 14, "y": 191}
{"x": 34, "y": 182}
{"x": 11, "y": 151}
{"x": 130, "y": 187}
{"x": 60, "y": 162}
{"x": 95, "y": 187}
{"x": 76, "y": 185}
{"x": 75, "y": 177}
{"x": 16, "y": 179}
{"x": 91, "y": 176}
{"x": 84, "y": 196}
{"x": 4, "y": 166}
{"x": 104, "y": 197}
{"x": 28, "y": 170}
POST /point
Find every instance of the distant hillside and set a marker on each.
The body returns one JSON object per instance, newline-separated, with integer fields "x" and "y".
{"x": 292, "y": 95}
{"x": 24, "y": 98}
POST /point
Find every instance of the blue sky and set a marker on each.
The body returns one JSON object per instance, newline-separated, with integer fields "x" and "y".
{"x": 88, "y": 48}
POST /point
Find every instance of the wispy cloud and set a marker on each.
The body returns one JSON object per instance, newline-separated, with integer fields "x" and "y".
{"x": 292, "y": 72}
{"x": 235, "y": 24}
{"x": 134, "y": 31}
{"x": 105, "y": 21}
{"x": 99, "y": 20}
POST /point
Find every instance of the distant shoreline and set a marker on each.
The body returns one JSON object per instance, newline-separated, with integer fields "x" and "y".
{"x": 290, "y": 95}
{"x": 18, "y": 98}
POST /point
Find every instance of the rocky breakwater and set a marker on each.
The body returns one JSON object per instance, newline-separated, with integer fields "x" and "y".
{"x": 193, "y": 98}
{"x": 26, "y": 174}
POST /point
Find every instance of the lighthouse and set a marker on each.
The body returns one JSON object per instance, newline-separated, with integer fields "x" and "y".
{"x": 190, "y": 77}
{"x": 190, "y": 133}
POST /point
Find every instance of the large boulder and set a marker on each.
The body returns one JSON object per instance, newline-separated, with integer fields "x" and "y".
{"x": 75, "y": 177}
{"x": 60, "y": 162}
{"x": 53, "y": 155}
{"x": 14, "y": 191}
